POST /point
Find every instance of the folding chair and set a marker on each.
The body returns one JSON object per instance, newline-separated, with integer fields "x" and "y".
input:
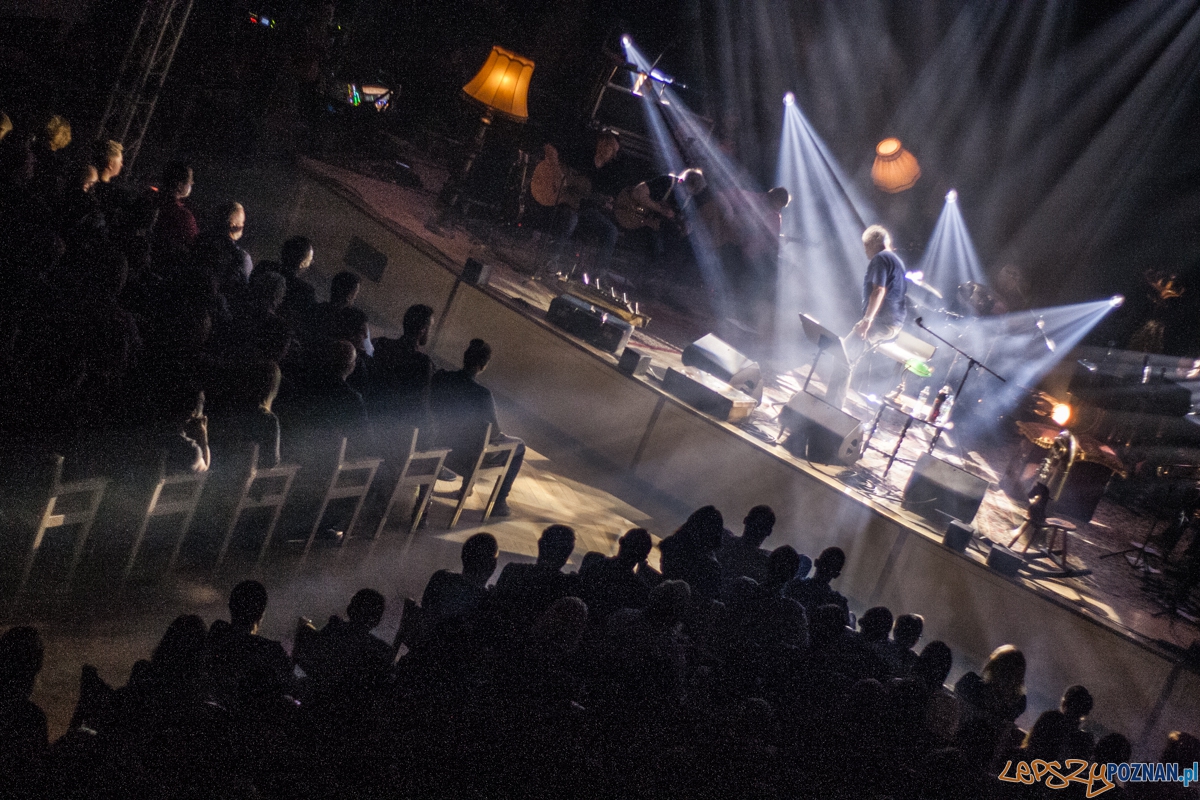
{"x": 421, "y": 469}
{"x": 337, "y": 490}
{"x": 91, "y": 492}
{"x": 263, "y": 488}
{"x": 173, "y": 495}
{"x": 507, "y": 449}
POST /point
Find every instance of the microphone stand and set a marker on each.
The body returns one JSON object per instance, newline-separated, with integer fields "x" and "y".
{"x": 972, "y": 362}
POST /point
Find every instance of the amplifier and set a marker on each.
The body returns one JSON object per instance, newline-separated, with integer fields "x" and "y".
{"x": 958, "y": 536}
{"x": 595, "y": 326}
{"x": 634, "y": 362}
{"x": 1007, "y": 562}
{"x": 938, "y": 490}
{"x": 705, "y": 393}
{"x": 819, "y": 432}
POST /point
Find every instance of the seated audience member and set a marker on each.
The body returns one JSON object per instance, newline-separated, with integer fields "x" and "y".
{"x": 457, "y": 596}
{"x": 246, "y": 417}
{"x": 613, "y": 583}
{"x": 997, "y": 697}
{"x": 873, "y": 628}
{"x": 525, "y": 591}
{"x": 179, "y": 441}
{"x": 23, "y": 731}
{"x": 295, "y": 257}
{"x": 351, "y": 325}
{"x": 687, "y": 554}
{"x": 744, "y": 556}
{"x": 816, "y": 591}
{"x": 1047, "y": 739}
{"x": 905, "y": 635}
{"x": 929, "y": 672}
{"x": 344, "y": 655}
{"x": 320, "y": 402}
{"x": 175, "y": 230}
{"x": 247, "y": 672}
{"x": 1076, "y": 704}
{"x": 403, "y": 374}
{"x": 776, "y": 619}
{"x": 649, "y": 652}
{"x": 462, "y": 409}
{"x": 343, "y": 291}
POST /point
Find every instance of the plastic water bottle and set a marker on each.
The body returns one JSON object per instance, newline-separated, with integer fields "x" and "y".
{"x": 944, "y": 416}
{"x": 922, "y": 401}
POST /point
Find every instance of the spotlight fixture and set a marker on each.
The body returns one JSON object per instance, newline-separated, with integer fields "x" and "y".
{"x": 952, "y": 196}
{"x": 1117, "y": 300}
{"x": 625, "y": 40}
{"x": 895, "y": 168}
{"x": 789, "y": 99}
{"x": 1061, "y": 414}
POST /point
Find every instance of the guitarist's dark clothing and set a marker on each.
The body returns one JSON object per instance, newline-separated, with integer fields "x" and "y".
{"x": 592, "y": 218}
{"x": 607, "y": 181}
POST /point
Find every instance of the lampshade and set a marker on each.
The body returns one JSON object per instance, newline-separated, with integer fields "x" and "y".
{"x": 895, "y": 168}
{"x": 503, "y": 84}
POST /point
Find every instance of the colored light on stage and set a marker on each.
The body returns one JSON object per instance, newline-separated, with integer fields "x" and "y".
{"x": 625, "y": 40}
{"x": 952, "y": 196}
{"x": 789, "y": 99}
{"x": 1117, "y": 300}
{"x": 1061, "y": 414}
{"x": 895, "y": 169}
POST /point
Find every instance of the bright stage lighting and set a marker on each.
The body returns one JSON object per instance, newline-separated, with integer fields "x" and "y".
{"x": 952, "y": 196}
{"x": 789, "y": 99}
{"x": 1117, "y": 300}
{"x": 950, "y": 259}
{"x": 1061, "y": 414}
{"x": 625, "y": 40}
{"x": 895, "y": 168}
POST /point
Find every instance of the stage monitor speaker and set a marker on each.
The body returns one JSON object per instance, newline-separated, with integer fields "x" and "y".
{"x": 958, "y": 536}
{"x": 939, "y": 491}
{"x": 634, "y": 363}
{"x": 707, "y": 393}
{"x": 1004, "y": 561}
{"x": 475, "y": 272}
{"x": 716, "y": 357}
{"x": 819, "y": 432}
{"x": 595, "y": 326}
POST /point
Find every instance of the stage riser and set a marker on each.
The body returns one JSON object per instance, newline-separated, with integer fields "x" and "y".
{"x": 893, "y": 559}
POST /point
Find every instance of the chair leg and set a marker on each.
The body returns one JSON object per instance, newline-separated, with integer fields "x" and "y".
{"x": 468, "y": 487}
{"x": 387, "y": 510}
{"x": 424, "y": 495}
{"x": 81, "y": 539}
{"x": 141, "y": 533}
{"x": 487, "y": 510}
{"x": 183, "y": 532}
{"x": 228, "y": 538}
{"x": 35, "y": 544}
{"x": 362, "y": 498}
{"x": 312, "y": 535}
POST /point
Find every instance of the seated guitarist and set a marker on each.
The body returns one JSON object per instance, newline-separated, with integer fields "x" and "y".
{"x": 589, "y": 209}
{"x": 667, "y": 196}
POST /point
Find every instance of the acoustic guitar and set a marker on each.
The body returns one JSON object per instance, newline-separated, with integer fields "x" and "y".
{"x": 631, "y": 216}
{"x": 554, "y": 184}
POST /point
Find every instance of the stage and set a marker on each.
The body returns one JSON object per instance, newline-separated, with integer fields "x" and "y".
{"x": 654, "y": 446}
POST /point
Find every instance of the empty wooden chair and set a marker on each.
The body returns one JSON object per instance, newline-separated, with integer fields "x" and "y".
{"x": 420, "y": 470}
{"x": 350, "y": 479}
{"x": 262, "y": 488}
{"x": 85, "y": 497}
{"x": 173, "y": 496}
{"x": 500, "y": 456}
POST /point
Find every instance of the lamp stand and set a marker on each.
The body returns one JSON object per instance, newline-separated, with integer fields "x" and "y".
{"x": 456, "y": 186}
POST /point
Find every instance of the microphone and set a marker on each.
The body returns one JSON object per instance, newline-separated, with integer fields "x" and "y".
{"x": 920, "y": 322}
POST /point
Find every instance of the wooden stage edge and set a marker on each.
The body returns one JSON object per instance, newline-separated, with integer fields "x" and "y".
{"x": 650, "y": 440}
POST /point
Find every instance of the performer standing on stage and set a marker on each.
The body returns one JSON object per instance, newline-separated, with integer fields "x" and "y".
{"x": 883, "y": 309}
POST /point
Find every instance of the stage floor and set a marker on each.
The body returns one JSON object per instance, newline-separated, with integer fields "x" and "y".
{"x": 1114, "y": 591}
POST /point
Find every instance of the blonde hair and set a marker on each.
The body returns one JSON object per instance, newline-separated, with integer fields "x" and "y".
{"x": 105, "y": 152}
{"x": 877, "y": 236}
{"x": 58, "y": 132}
{"x": 5, "y": 125}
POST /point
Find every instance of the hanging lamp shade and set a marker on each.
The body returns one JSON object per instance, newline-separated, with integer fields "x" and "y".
{"x": 895, "y": 168}
{"x": 503, "y": 84}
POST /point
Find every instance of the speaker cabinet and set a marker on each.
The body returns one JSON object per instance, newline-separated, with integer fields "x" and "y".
{"x": 1004, "y": 561}
{"x": 708, "y": 394}
{"x": 634, "y": 363}
{"x": 716, "y": 357}
{"x": 939, "y": 491}
{"x": 595, "y": 326}
{"x": 819, "y": 432}
{"x": 958, "y": 536}
{"x": 475, "y": 272}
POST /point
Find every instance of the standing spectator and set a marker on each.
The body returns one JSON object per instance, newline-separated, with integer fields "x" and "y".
{"x": 175, "y": 230}
{"x": 687, "y": 554}
{"x": 744, "y": 556}
{"x": 462, "y": 410}
{"x": 816, "y": 591}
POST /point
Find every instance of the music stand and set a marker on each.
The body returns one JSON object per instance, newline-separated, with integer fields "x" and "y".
{"x": 824, "y": 339}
